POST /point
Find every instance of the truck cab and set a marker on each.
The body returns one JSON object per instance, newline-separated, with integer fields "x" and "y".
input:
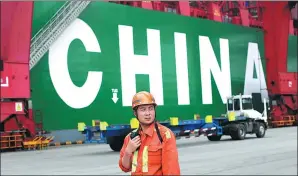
{"x": 242, "y": 106}
{"x": 241, "y": 118}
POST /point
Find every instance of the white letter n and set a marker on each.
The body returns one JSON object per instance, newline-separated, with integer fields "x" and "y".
{"x": 132, "y": 64}
{"x": 210, "y": 65}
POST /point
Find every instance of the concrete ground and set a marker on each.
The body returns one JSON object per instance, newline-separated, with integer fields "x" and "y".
{"x": 276, "y": 154}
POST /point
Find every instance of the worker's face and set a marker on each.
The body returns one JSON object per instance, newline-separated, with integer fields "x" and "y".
{"x": 145, "y": 114}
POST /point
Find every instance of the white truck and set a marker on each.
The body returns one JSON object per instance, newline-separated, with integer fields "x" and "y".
{"x": 241, "y": 119}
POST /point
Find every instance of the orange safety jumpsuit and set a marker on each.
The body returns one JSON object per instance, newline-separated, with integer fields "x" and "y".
{"x": 153, "y": 157}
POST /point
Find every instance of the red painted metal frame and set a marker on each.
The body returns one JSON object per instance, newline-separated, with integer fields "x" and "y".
{"x": 16, "y": 24}
{"x": 276, "y": 31}
{"x": 282, "y": 86}
{"x": 246, "y": 13}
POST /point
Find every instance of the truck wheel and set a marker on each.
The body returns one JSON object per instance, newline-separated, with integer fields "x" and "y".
{"x": 238, "y": 132}
{"x": 116, "y": 142}
{"x": 214, "y": 138}
{"x": 261, "y": 131}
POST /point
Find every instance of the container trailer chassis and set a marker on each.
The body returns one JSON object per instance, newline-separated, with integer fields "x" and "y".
{"x": 213, "y": 128}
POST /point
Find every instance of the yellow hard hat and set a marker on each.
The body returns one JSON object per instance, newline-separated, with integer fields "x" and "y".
{"x": 142, "y": 98}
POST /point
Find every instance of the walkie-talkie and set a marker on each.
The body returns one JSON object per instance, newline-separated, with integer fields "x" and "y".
{"x": 135, "y": 134}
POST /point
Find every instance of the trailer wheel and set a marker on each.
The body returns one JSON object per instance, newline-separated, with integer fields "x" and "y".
{"x": 261, "y": 131}
{"x": 238, "y": 132}
{"x": 116, "y": 142}
{"x": 214, "y": 138}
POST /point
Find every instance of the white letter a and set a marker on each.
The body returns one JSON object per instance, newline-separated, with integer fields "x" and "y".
{"x": 254, "y": 85}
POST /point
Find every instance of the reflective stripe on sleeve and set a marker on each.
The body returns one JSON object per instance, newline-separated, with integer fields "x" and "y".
{"x": 145, "y": 159}
{"x": 134, "y": 161}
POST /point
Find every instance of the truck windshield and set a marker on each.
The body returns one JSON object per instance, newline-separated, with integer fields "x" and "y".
{"x": 236, "y": 104}
{"x": 247, "y": 103}
{"x": 230, "y": 104}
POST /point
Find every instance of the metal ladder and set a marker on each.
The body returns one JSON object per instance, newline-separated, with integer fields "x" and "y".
{"x": 45, "y": 37}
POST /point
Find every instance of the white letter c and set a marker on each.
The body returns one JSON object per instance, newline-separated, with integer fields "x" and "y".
{"x": 73, "y": 96}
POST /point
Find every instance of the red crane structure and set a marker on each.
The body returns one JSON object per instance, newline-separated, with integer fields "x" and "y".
{"x": 16, "y": 23}
{"x": 282, "y": 85}
{"x": 274, "y": 17}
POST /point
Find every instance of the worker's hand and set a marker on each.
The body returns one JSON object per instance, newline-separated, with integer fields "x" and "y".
{"x": 133, "y": 144}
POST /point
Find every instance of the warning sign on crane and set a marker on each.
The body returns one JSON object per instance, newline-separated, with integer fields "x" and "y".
{"x": 4, "y": 82}
{"x": 19, "y": 107}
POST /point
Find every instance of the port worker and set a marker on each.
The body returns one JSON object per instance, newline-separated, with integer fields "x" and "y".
{"x": 151, "y": 149}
